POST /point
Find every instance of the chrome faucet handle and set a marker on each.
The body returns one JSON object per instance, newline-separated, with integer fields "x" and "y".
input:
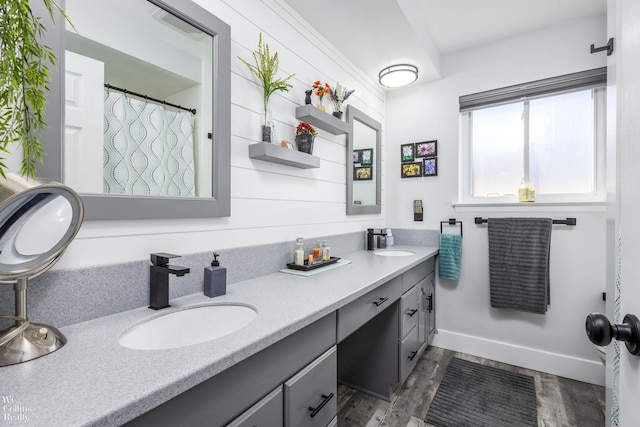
{"x": 161, "y": 259}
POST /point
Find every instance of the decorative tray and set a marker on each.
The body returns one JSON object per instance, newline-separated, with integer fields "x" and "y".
{"x": 307, "y": 267}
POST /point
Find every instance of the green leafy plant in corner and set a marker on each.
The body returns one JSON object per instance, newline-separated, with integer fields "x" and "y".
{"x": 24, "y": 75}
{"x": 265, "y": 69}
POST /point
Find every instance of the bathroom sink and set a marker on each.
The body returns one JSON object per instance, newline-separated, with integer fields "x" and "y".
{"x": 392, "y": 252}
{"x": 187, "y": 327}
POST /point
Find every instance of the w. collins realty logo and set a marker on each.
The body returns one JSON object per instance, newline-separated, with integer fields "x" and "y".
{"x": 14, "y": 411}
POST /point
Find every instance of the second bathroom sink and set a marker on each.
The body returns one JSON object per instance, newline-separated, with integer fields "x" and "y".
{"x": 187, "y": 327}
{"x": 392, "y": 252}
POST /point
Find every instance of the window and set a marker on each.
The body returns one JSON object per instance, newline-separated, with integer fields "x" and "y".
{"x": 549, "y": 133}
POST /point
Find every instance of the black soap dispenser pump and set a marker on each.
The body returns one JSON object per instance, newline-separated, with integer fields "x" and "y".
{"x": 215, "y": 278}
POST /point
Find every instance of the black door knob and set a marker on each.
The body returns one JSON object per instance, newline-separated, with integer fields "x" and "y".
{"x": 600, "y": 331}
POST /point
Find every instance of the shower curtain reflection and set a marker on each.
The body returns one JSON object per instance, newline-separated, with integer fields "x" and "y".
{"x": 148, "y": 149}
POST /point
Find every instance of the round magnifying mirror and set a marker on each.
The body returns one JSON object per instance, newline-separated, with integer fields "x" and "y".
{"x": 38, "y": 220}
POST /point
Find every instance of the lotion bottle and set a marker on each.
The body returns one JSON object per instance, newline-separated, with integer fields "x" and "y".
{"x": 215, "y": 278}
{"x": 298, "y": 252}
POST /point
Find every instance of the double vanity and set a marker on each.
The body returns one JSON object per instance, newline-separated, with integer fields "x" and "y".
{"x": 363, "y": 324}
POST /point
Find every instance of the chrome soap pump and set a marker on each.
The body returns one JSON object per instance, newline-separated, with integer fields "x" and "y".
{"x": 215, "y": 278}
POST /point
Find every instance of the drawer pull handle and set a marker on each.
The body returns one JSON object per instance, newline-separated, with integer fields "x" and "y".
{"x": 314, "y": 411}
{"x": 413, "y": 355}
{"x": 430, "y": 306}
{"x": 380, "y": 301}
{"x": 412, "y": 312}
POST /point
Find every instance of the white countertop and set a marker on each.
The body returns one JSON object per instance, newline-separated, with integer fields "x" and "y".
{"x": 93, "y": 381}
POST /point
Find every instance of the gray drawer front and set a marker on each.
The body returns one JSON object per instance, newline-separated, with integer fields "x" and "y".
{"x": 408, "y": 358}
{"x": 409, "y": 311}
{"x": 417, "y": 273}
{"x": 266, "y": 413}
{"x": 360, "y": 311}
{"x": 310, "y": 388}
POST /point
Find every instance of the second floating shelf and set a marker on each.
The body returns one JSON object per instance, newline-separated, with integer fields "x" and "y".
{"x": 320, "y": 119}
{"x": 284, "y": 156}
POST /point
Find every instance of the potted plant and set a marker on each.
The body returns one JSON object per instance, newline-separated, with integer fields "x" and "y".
{"x": 337, "y": 97}
{"x": 305, "y": 134}
{"x": 265, "y": 69}
{"x": 24, "y": 75}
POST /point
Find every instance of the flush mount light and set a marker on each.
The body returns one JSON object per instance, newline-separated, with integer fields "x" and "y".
{"x": 398, "y": 75}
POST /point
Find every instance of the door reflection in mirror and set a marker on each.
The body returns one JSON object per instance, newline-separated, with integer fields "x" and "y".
{"x": 146, "y": 134}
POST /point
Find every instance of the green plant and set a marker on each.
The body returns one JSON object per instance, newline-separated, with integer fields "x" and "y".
{"x": 265, "y": 69}
{"x": 24, "y": 75}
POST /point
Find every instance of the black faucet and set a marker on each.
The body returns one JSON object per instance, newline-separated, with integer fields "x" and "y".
{"x": 159, "y": 279}
{"x": 370, "y": 233}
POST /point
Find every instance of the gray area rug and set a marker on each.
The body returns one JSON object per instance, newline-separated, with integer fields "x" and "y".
{"x": 474, "y": 395}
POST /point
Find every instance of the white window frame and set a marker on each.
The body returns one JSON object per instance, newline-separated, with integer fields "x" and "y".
{"x": 592, "y": 79}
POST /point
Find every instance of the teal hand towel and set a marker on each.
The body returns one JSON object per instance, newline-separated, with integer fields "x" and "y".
{"x": 450, "y": 256}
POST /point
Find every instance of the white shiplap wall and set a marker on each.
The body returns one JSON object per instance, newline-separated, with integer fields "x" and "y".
{"x": 269, "y": 202}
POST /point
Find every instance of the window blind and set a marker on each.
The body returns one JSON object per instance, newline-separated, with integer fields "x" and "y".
{"x": 582, "y": 79}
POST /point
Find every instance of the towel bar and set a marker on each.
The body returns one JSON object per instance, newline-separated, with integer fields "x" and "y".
{"x": 568, "y": 221}
{"x": 452, "y": 221}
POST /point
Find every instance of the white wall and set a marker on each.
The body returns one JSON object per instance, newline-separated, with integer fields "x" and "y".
{"x": 269, "y": 202}
{"x": 555, "y": 342}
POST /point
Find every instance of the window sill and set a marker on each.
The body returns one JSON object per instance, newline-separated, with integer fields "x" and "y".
{"x": 530, "y": 206}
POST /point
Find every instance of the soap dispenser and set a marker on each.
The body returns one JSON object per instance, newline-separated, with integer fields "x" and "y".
{"x": 215, "y": 278}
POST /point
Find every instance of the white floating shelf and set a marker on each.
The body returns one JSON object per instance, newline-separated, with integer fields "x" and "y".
{"x": 318, "y": 118}
{"x": 284, "y": 156}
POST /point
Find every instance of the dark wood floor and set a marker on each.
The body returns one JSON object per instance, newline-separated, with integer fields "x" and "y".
{"x": 561, "y": 402}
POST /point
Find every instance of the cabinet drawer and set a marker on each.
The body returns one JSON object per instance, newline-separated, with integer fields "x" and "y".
{"x": 417, "y": 273}
{"x": 310, "y": 395}
{"x": 409, "y": 311}
{"x": 360, "y": 311}
{"x": 409, "y": 354}
{"x": 266, "y": 413}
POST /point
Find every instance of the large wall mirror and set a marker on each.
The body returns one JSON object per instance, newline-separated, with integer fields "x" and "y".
{"x": 363, "y": 164}
{"x": 143, "y": 92}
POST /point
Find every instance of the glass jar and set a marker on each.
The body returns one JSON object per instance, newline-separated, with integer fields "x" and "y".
{"x": 298, "y": 252}
{"x": 317, "y": 252}
{"x": 325, "y": 251}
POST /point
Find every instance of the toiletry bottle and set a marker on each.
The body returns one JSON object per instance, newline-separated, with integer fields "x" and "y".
{"x": 325, "y": 251}
{"x": 317, "y": 252}
{"x": 390, "y": 238}
{"x": 215, "y": 278}
{"x": 523, "y": 192}
{"x": 298, "y": 252}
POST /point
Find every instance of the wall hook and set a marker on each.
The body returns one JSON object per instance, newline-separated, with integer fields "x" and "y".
{"x": 608, "y": 47}
{"x": 600, "y": 331}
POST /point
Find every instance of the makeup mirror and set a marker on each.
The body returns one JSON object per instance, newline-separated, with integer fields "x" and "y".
{"x": 144, "y": 114}
{"x": 363, "y": 163}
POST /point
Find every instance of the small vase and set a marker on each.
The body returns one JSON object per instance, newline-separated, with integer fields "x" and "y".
{"x": 304, "y": 143}
{"x": 268, "y": 127}
{"x": 337, "y": 114}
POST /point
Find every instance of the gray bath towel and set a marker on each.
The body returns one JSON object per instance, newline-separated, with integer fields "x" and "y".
{"x": 519, "y": 263}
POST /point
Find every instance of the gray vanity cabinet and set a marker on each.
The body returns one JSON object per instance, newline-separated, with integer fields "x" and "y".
{"x": 310, "y": 395}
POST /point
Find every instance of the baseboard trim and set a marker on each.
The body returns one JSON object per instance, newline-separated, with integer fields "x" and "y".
{"x": 553, "y": 363}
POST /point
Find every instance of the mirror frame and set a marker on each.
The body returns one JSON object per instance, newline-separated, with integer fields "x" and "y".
{"x": 115, "y": 207}
{"x": 354, "y": 114}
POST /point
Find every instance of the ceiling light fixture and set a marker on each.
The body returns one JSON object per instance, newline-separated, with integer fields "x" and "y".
{"x": 398, "y": 75}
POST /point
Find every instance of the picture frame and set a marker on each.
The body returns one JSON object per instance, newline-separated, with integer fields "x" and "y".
{"x": 362, "y": 173}
{"x": 430, "y": 167}
{"x": 426, "y": 149}
{"x": 411, "y": 170}
{"x": 407, "y": 152}
{"x": 357, "y": 156}
{"x": 366, "y": 157}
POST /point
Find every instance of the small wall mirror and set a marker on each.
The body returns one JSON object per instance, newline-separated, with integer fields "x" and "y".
{"x": 363, "y": 163}
{"x": 145, "y": 88}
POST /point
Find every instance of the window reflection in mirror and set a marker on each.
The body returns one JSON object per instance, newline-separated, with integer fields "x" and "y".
{"x": 363, "y": 164}
{"x": 124, "y": 143}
